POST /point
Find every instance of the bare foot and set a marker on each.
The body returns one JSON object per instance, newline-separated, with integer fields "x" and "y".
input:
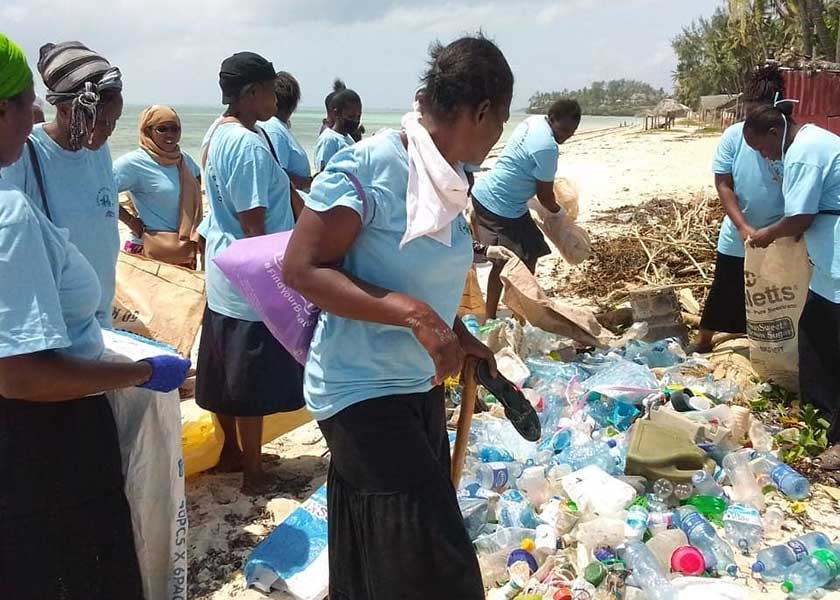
{"x": 230, "y": 461}
{"x": 259, "y": 484}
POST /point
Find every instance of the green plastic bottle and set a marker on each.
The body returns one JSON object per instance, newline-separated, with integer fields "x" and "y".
{"x": 711, "y": 507}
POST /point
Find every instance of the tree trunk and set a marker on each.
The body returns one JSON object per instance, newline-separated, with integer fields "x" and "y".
{"x": 806, "y": 28}
{"x": 816, "y": 11}
{"x": 837, "y": 50}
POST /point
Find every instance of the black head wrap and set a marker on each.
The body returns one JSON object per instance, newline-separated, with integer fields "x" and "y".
{"x": 241, "y": 69}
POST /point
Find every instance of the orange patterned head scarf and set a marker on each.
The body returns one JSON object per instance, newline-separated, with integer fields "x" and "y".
{"x": 191, "y": 209}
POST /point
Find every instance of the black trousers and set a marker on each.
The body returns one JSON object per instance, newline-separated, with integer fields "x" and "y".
{"x": 819, "y": 359}
{"x": 395, "y": 529}
{"x": 725, "y": 310}
{"x": 65, "y": 524}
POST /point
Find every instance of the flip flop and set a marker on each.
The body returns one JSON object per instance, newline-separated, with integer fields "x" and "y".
{"x": 518, "y": 410}
{"x": 830, "y": 459}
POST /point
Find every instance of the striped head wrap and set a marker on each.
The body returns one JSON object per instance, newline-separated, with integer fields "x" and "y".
{"x": 75, "y": 74}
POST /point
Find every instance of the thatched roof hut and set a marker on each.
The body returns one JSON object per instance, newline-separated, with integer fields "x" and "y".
{"x": 671, "y": 108}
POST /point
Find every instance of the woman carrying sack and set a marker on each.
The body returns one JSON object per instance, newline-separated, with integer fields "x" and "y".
{"x": 526, "y": 168}
{"x": 811, "y": 187}
{"x": 65, "y": 524}
{"x": 243, "y": 372}
{"x": 165, "y": 186}
{"x": 383, "y": 248}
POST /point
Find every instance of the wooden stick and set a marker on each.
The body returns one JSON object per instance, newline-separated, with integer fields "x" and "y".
{"x": 468, "y": 399}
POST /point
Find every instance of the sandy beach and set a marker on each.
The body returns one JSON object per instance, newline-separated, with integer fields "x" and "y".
{"x": 613, "y": 169}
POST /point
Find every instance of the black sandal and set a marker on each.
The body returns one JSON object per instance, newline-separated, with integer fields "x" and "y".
{"x": 518, "y": 410}
{"x": 830, "y": 459}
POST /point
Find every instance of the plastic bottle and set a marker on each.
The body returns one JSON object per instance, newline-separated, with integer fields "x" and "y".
{"x": 488, "y": 454}
{"x": 818, "y": 569}
{"x": 533, "y": 484}
{"x": 705, "y": 485}
{"x": 663, "y": 489}
{"x": 761, "y": 440}
{"x": 790, "y": 482}
{"x": 683, "y": 491}
{"x": 636, "y": 522}
{"x": 495, "y": 475}
{"x": 647, "y": 572}
{"x": 773, "y": 563}
{"x": 743, "y": 527}
{"x": 514, "y": 511}
{"x": 659, "y": 521}
{"x": 472, "y": 324}
{"x": 589, "y": 453}
{"x": 717, "y": 553}
{"x": 663, "y": 544}
{"x": 774, "y": 517}
{"x": 688, "y": 560}
{"x": 711, "y": 507}
{"x": 745, "y": 490}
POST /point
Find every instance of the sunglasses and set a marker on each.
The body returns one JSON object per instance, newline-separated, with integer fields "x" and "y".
{"x": 167, "y": 129}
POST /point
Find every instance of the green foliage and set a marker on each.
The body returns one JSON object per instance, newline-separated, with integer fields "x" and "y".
{"x": 620, "y": 97}
{"x": 805, "y": 432}
{"x": 716, "y": 55}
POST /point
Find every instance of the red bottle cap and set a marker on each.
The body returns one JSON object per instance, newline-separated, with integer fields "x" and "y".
{"x": 688, "y": 560}
{"x": 563, "y": 594}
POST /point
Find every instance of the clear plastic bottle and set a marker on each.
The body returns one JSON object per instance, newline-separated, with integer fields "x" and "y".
{"x": 789, "y": 481}
{"x": 761, "y": 439}
{"x": 745, "y": 489}
{"x": 663, "y": 489}
{"x": 663, "y": 544}
{"x": 706, "y": 485}
{"x": 702, "y": 535}
{"x": 589, "y": 453}
{"x": 636, "y": 522}
{"x": 495, "y": 475}
{"x": 811, "y": 573}
{"x": 773, "y": 519}
{"x": 743, "y": 527}
{"x": 648, "y": 574}
{"x": 534, "y": 485}
{"x": 773, "y": 563}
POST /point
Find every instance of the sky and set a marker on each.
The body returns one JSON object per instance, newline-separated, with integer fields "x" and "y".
{"x": 169, "y": 50}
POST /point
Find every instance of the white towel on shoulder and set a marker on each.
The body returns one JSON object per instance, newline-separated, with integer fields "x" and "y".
{"x": 437, "y": 191}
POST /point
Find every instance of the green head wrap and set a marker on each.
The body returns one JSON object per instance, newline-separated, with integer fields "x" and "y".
{"x": 15, "y": 75}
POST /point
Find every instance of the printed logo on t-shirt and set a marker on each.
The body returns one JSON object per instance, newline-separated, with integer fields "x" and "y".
{"x": 105, "y": 199}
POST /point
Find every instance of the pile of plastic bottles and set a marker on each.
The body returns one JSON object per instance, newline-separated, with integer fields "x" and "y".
{"x": 643, "y": 485}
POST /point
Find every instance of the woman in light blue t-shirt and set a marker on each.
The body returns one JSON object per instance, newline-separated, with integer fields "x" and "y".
{"x": 290, "y": 154}
{"x": 66, "y": 524}
{"x": 526, "y": 168}
{"x": 165, "y": 187}
{"x": 243, "y": 372}
{"x": 750, "y": 189}
{"x": 811, "y": 188}
{"x": 346, "y": 112}
{"x": 388, "y": 336}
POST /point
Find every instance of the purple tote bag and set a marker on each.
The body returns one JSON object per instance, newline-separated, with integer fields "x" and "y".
{"x": 254, "y": 267}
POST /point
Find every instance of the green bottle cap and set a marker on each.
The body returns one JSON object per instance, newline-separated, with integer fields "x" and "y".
{"x": 787, "y": 587}
{"x": 595, "y": 573}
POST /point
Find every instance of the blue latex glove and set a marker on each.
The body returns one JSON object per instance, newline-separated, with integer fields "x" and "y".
{"x": 168, "y": 372}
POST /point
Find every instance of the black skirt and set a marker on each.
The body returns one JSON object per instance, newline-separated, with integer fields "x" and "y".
{"x": 520, "y": 235}
{"x": 65, "y": 524}
{"x": 395, "y": 529}
{"x": 243, "y": 371}
{"x": 725, "y": 309}
{"x": 819, "y": 359}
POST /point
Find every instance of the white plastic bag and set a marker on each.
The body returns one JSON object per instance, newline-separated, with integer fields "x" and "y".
{"x": 149, "y": 429}
{"x": 592, "y": 489}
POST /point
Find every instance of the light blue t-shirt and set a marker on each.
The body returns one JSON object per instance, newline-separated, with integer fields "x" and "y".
{"x": 758, "y": 187}
{"x": 290, "y": 153}
{"x": 49, "y": 293}
{"x": 812, "y": 187}
{"x": 529, "y": 156}
{"x": 241, "y": 174}
{"x": 329, "y": 142}
{"x": 155, "y": 189}
{"x": 82, "y": 198}
{"x": 352, "y": 361}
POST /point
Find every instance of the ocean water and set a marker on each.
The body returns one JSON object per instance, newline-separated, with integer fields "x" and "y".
{"x": 306, "y": 123}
